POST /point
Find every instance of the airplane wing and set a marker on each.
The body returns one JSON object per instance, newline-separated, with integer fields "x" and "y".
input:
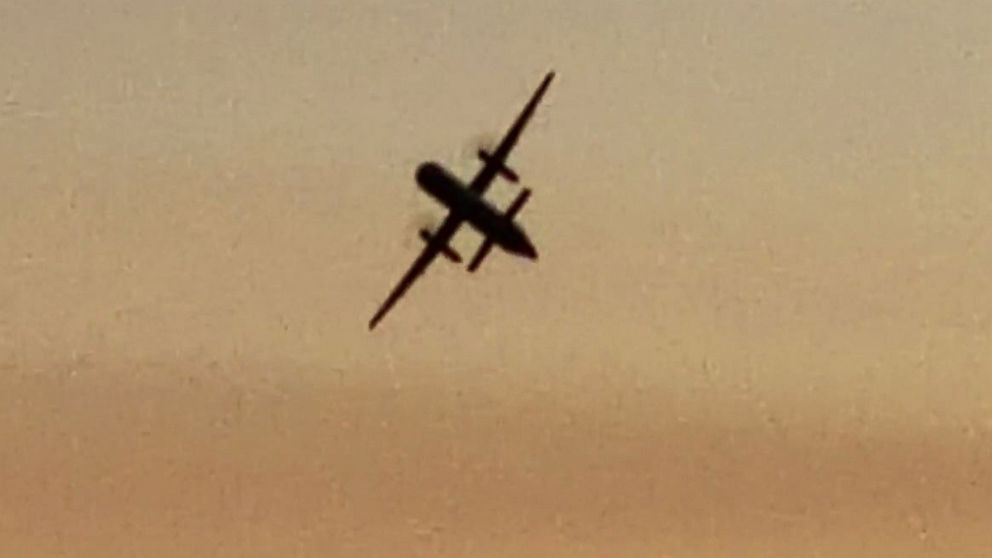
{"x": 437, "y": 243}
{"x": 496, "y": 162}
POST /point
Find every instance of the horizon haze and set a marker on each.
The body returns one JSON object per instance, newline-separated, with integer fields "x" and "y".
{"x": 760, "y": 324}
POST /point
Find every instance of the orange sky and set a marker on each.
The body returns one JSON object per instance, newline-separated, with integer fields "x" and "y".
{"x": 752, "y": 211}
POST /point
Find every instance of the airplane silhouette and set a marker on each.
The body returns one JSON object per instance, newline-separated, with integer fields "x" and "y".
{"x": 467, "y": 204}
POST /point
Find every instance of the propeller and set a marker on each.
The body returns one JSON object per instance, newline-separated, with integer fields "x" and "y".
{"x": 468, "y": 152}
{"x": 420, "y": 220}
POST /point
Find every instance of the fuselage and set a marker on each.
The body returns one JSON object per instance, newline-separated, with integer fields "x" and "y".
{"x": 475, "y": 210}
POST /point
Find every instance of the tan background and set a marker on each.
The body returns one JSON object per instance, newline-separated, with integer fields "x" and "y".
{"x": 760, "y": 325}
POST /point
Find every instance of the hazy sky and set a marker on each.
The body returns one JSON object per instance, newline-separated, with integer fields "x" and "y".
{"x": 780, "y": 205}
{"x": 750, "y": 183}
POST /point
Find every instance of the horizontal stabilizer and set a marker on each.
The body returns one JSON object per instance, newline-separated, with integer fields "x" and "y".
{"x": 487, "y": 244}
{"x": 446, "y": 250}
{"x": 503, "y": 170}
{"x": 518, "y": 203}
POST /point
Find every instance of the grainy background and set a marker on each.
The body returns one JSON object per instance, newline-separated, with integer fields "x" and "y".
{"x": 760, "y": 325}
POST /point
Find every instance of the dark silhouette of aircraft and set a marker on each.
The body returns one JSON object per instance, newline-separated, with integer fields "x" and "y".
{"x": 467, "y": 204}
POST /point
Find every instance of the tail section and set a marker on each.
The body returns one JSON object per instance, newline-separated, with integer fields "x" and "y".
{"x": 487, "y": 244}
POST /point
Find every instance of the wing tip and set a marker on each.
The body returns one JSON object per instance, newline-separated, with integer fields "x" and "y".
{"x": 375, "y": 320}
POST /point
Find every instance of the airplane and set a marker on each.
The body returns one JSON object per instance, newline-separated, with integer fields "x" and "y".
{"x": 467, "y": 204}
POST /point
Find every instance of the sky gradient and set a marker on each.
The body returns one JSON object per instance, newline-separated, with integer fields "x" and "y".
{"x": 760, "y": 324}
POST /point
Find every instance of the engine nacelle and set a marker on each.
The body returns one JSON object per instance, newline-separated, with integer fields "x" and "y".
{"x": 446, "y": 250}
{"x": 503, "y": 170}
